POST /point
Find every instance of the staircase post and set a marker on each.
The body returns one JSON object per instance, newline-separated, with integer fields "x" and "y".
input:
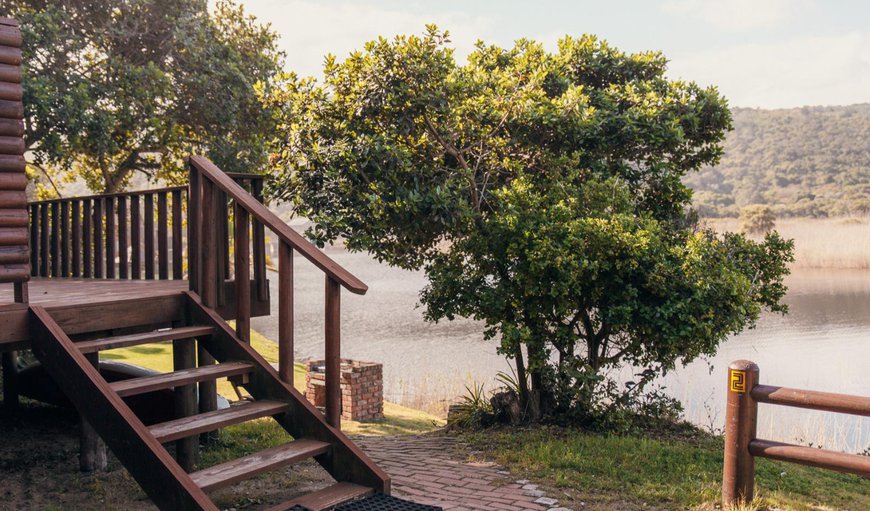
{"x": 208, "y": 281}
{"x": 92, "y": 450}
{"x": 333, "y": 352}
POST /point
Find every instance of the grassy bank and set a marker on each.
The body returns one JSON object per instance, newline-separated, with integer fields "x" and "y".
{"x": 599, "y": 472}
{"x": 820, "y": 242}
{"x": 397, "y": 419}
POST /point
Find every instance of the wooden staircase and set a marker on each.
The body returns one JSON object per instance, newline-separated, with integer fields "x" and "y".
{"x": 140, "y": 448}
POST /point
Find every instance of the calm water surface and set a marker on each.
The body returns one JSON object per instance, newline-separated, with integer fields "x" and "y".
{"x": 821, "y": 344}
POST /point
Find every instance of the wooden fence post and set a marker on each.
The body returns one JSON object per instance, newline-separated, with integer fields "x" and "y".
{"x": 741, "y": 413}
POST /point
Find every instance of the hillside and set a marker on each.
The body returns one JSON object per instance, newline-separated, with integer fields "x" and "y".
{"x": 812, "y": 161}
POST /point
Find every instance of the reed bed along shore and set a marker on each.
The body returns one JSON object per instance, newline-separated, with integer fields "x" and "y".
{"x": 819, "y": 242}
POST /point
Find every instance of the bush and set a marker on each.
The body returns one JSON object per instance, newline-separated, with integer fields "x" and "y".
{"x": 757, "y": 219}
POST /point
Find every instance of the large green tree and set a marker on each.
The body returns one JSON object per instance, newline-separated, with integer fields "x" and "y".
{"x": 542, "y": 194}
{"x": 115, "y": 87}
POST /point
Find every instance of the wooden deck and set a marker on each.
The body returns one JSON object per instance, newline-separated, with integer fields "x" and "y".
{"x": 50, "y": 292}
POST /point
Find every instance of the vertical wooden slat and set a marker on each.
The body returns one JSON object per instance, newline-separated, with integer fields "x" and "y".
{"x": 135, "y": 238}
{"x": 148, "y": 214}
{"x": 44, "y": 231}
{"x": 110, "y": 237}
{"x": 285, "y": 312}
{"x": 162, "y": 236}
{"x": 259, "y": 238}
{"x": 98, "y": 238}
{"x": 34, "y": 239}
{"x": 87, "y": 239}
{"x": 242, "y": 265}
{"x": 123, "y": 265}
{"x": 333, "y": 352}
{"x": 77, "y": 238}
{"x": 194, "y": 196}
{"x": 64, "y": 239}
{"x": 223, "y": 241}
{"x": 177, "y": 241}
{"x": 208, "y": 389}
{"x": 55, "y": 239}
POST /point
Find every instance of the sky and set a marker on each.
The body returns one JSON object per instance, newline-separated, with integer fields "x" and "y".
{"x": 760, "y": 53}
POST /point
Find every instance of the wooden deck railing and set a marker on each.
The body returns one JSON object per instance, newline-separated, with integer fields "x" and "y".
{"x": 741, "y": 418}
{"x": 131, "y": 235}
{"x": 211, "y": 189}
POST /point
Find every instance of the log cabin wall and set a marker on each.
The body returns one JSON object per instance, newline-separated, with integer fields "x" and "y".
{"x": 14, "y": 246}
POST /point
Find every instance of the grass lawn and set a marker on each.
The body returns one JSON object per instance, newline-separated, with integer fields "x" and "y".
{"x": 397, "y": 419}
{"x": 611, "y": 472}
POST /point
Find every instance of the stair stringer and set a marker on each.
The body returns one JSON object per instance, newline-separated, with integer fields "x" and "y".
{"x": 159, "y": 475}
{"x": 346, "y": 462}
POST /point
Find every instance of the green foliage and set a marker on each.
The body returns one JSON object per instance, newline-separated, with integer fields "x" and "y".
{"x": 474, "y": 409}
{"x": 136, "y": 85}
{"x": 757, "y": 219}
{"x": 542, "y": 194}
{"x": 808, "y": 162}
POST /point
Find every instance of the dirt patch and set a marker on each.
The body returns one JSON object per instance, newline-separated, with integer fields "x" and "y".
{"x": 39, "y": 468}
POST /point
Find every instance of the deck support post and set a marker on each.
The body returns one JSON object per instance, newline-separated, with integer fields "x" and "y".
{"x": 92, "y": 450}
{"x": 209, "y": 281}
{"x": 184, "y": 357}
{"x": 333, "y": 353}
{"x": 9, "y": 360}
{"x": 741, "y": 412}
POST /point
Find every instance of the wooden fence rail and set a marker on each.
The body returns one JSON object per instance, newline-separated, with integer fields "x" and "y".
{"x": 742, "y": 446}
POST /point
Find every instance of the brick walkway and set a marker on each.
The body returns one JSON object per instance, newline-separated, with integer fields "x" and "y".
{"x": 434, "y": 470}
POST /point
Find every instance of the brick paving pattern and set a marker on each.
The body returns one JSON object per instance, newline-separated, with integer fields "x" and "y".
{"x": 434, "y": 470}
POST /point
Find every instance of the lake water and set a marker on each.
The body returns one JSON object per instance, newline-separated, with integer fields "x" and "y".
{"x": 822, "y": 344}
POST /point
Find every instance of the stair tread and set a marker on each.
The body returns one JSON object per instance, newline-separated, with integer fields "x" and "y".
{"x": 184, "y": 377}
{"x": 246, "y": 467}
{"x": 121, "y": 341}
{"x": 327, "y": 498}
{"x": 210, "y": 421}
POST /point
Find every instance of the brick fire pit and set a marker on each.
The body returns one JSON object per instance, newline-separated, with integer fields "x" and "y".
{"x": 362, "y": 388}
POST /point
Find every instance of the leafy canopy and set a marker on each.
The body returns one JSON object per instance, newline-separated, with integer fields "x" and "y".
{"x": 135, "y": 85}
{"x": 542, "y": 193}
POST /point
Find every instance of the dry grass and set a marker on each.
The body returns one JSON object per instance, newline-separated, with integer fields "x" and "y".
{"x": 820, "y": 242}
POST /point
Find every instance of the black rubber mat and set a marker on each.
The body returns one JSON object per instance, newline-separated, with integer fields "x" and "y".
{"x": 379, "y": 503}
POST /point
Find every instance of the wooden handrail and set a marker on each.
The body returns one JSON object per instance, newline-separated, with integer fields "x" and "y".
{"x": 277, "y": 226}
{"x": 166, "y": 189}
{"x": 812, "y": 400}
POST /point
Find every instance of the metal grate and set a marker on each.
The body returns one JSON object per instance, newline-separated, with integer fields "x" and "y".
{"x": 379, "y": 502}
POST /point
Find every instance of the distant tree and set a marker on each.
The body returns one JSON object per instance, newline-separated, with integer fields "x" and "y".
{"x": 540, "y": 192}
{"x": 757, "y": 219}
{"x": 126, "y": 86}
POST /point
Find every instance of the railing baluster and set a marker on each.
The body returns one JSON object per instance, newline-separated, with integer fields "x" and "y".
{"x": 162, "y": 237}
{"x": 208, "y": 389}
{"x": 98, "y": 238}
{"x": 76, "y": 238}
{"x": 44, "y": 245}
{"x": 259, "y": 235}
{"x": 123, "y": 265}
{"x": 242, "y": 265}
{"x": 223, "y": 243}
{"x": 149, "y": 236}
{"x": 110, "y": 237}
{"x": 34, "y": 239}
{"x": 333, "y": 352}
{"x": 87, "y": 232}
{"x": 55, "y": 239}
{"x": 64, "y": 239}
{"x": 135, "y": 238}
{"x": 177, "y": 241}
{"x": 285, "y": 312}
{"x": 194, "y": 195}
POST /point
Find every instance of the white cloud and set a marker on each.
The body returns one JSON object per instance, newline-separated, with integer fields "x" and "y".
{"x": 832, "y": 70}
{"x": 309, "y": 29}
{"x": 738, "y": 15}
